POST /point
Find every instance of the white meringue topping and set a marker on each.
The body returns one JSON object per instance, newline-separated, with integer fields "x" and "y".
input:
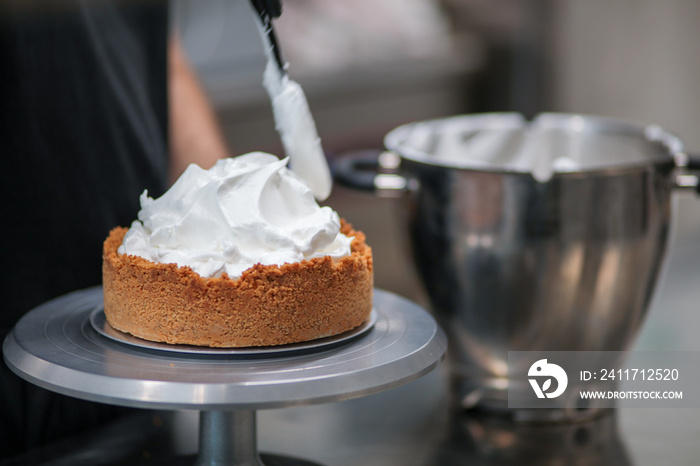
{"x": 243, "y": 211}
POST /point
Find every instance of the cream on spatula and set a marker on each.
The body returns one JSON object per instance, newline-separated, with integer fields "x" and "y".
{"x": 292, "y": 115}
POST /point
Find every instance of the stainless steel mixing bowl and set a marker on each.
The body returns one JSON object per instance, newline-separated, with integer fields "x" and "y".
{"x": 568, "y": 263}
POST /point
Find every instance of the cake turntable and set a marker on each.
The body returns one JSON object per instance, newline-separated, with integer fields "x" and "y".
{"x": 60, "y": 346}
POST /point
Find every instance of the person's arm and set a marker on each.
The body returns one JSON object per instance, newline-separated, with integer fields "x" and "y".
{"x": 195, "y": 135}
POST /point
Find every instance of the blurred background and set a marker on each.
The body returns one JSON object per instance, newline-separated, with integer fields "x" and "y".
{"x": 368, "y": 66}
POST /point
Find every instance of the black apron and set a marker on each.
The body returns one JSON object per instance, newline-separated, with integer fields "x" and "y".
{"x": 83, "y": 131}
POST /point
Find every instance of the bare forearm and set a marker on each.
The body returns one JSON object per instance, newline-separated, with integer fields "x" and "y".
{"x": 195, "y": 135}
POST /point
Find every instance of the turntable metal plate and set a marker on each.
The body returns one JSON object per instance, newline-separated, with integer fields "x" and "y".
{"x": 55, "y": 346}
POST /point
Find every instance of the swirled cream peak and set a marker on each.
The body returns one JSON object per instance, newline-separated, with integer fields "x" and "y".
{"x": 243, "y": 211}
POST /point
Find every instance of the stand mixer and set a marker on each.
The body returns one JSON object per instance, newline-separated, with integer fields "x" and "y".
{"x": 566, "y": 262}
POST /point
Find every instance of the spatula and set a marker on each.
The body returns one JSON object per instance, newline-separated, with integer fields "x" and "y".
{"x": 293, "y": 118}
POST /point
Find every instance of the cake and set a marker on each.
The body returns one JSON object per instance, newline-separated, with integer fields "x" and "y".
{"x": 300, "y": 289}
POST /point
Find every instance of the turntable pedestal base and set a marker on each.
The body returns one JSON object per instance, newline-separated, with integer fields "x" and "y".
{"x": 57, "y": 347}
